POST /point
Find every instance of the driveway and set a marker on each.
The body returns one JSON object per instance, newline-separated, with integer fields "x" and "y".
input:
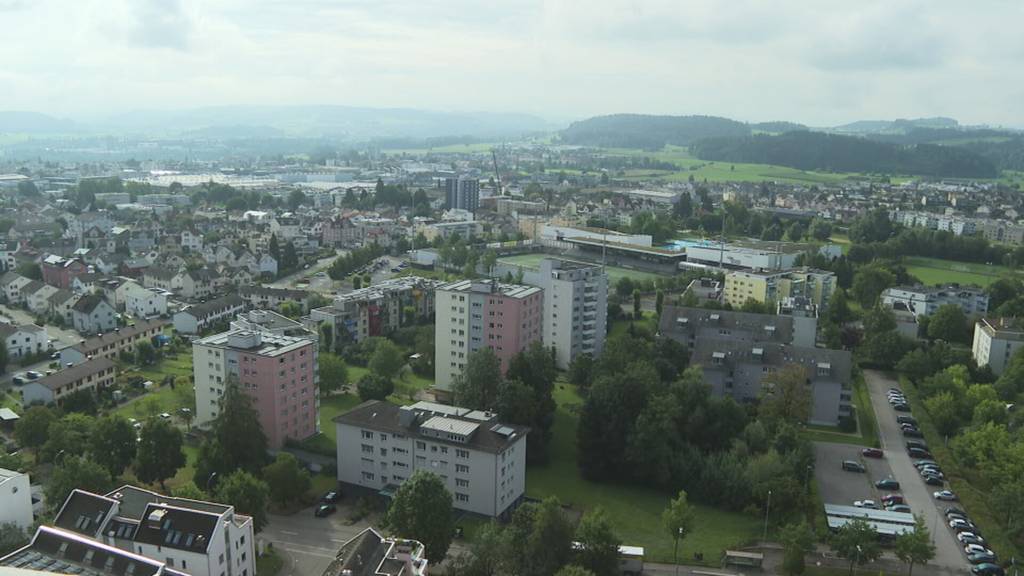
{"x": 948, "y": 553}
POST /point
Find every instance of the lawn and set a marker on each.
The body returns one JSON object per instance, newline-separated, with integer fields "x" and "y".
{"x": 269, "y": 564}
{"x": 8, "y": 400}
{"x": 634, "y": 511}
{"x": 937, "y": 271}
{"x": 614, "y": 272}
{"x": 162, "y": 398}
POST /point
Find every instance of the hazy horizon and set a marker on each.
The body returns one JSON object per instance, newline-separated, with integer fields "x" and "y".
{"x": 826, "y": 64}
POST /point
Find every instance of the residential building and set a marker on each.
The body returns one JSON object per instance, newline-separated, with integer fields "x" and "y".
{"x": 59, "y": 271}
{"x": 769, "y": 287}
{"x": 61, "y": 304}
{"x": 473, "y": 314}
{"x": 267, "y": 298}
{"x": 198, "y": 317}
{"x": 24, "y": 339}
{"x": 12, "y": 283}
{"x": 109, "y": 345}
{"x": 740, "y": 368}
{"x": 89, "y": 375}
{"x": 270, "y": 322}
{"x": 481, "y": 461}
{"x": 462, "y": 193}
{"x": 376, "y": 310}
{"x": 57, "y": 551}
{"x": 15, "y": 499}
{"x": 925, "y": 300}
{"x": 575, "y": 308}
{"x": 689, "y": 325}
{"x": 371, "y": 554}
{"x": 278, "y": 372}
{"x": 996, "y": 340}
{"x": 196, "y": 284}
{"x": 145, "y": 302}
{"x": 8, "y": 255}
{"x": 38, "y": 300}
{"x": 91, "y": 314}
{"x": 804, "y": 314}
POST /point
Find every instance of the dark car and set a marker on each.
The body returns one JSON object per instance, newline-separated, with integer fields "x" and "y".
{"x": 901, "y": 407}
{"x": 912, "y": 433}
{"x": 922, "y": 463}
{"x": 18, "y": 381}
{"x": 917, "y": 444}
{"x": 851, "y": 466}
{"x": 899, "y": 508}
{"x": 933, "y": 481}
{"x": 872, "y": 453}
{"x": 324, "y": 510}
{"x": 330, "y": 497}
{"x": 982, "y": 558}
{"x": 918, "y": 453}
{"x": 901, "y": 419}
{"x": 887, "y": 484}
{"x": 987, "y": 569}
{"x": 954, "y": 510}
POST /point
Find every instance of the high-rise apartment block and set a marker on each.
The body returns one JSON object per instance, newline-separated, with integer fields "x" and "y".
{"x": 462, "y": 193}
{"x": 575, "y": 308}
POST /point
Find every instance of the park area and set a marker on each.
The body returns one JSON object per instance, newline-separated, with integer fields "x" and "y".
{"x": 936, "y": 271}
{"x": 614, "y": 272}
{"x": 635, "y": 511}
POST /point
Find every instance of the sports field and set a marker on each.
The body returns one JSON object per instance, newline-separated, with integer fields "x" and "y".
{"x": 614, "y": 272}
{"x": 935, "y": 271}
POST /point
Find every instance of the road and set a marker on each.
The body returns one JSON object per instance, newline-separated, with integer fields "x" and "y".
{"x": 289, "y": 280}
{"x": 60, "y": 338}
{"x": 948, "y": 553}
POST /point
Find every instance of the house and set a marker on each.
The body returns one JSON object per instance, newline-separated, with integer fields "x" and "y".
{"x": 145, "y": 302}
{"x": 114, "y": 289}
{"x": 93, "y": 315}
{"x": 162, "y": 278}
{"x": 38, "y": 301}
{"x": 197, "y": 284}
{"x": 191, "y": 240}
{"x": 481, "y": 461}
{"x": 198, "y": 317}
{"x": 24, "y": 340}
{"x": 12, "y": 283}
{"x": 15, "y": 499}
{"x": 109, "y": 263}
{"x": 267, "y": 266}
{"x": 89, "y": 375}
{"x": 270, "y": 322}
{"x": 8, "y": 255}
{"x": 86, "y": 283}
{"x": 61, "y": 303}
{"x": 376, "y": 310}
{"x": 278, "y": 372}
{"x": 58, "y": 271}
{"x": 371, "y": 554}
{"x": 110, "y": 344}
{"x": 136, "y": 532}
{"x": 267, "y": 298}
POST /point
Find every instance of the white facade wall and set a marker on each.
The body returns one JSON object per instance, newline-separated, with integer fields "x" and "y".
{"x": 994, "y": 352}
{"x": 207, "y": 368}
{"x": 451, "y": 334}
{"x": 15, "y": 499}
{"x": 145, "y": 303}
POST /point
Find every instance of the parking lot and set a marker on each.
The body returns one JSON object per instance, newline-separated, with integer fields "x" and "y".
{"x": 839, "y": 486}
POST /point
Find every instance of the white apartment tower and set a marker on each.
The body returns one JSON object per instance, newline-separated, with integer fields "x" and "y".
{"x": 575, "y": 308}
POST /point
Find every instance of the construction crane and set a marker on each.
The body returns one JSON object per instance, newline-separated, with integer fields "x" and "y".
{"x": 497, "y": 175}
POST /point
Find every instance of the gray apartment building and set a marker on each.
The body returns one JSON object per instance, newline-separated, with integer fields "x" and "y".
{"x": 375, "y": 310}
{"x": 481, "y": 461}
{"x": 691, "y": 325}
{"x": 575, "y": 308}
{"x": 925, "y": 300}
{"x": 462, "y": 193}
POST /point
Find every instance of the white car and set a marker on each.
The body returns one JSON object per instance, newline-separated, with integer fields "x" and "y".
{"x": 963, "y": 536}
{"x": 866, "y": 504}
{"x": 959, "y": 522}
{"x": 945, "y": 495}
{"x": 165, "y": 415}
{"x": 976, "y": 549}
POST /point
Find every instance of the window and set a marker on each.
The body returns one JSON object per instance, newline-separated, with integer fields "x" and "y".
{"x": 460, "y": 497}
{"x": 421, "y": 445}
{"x": 367, "y": 435}
{"x": 368, "y": 476}
{"x": 222, "y": 558}
{"x": 462, "y": 468}
{"x": 462, "y": 483}
{"x": 462, "y": 453}
{"x": 367, "y": 449}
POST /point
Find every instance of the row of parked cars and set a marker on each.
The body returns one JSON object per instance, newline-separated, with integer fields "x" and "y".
{"x": 21, "y": 379}
{"x": 983, "y": 561}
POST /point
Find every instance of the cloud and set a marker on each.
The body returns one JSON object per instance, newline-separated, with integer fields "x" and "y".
{"x": 160, "y": 24}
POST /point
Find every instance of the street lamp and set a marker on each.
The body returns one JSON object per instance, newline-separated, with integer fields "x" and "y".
{"x": 767, "y": 508}
{"x": 857, "y": 561}
{"x": 209, "y": 481}
{"x": 679, "y": 536}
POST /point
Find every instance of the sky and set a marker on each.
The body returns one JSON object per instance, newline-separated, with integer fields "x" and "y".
{"x": 820, "y": 62}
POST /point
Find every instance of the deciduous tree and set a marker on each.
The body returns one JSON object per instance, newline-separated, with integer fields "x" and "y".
{"x": 422, "y": 510}
{"x": 160, "y": 453}
{"x": 113, "y": 444}
{"x": 248, "y": 494}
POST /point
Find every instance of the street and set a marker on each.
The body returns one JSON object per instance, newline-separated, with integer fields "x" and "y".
{"x": 948, "y": 553}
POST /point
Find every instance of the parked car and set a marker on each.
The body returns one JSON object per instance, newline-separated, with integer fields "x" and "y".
{"x": 954, "y": 510}
{"x": 330, "y": 497}
{"x": 899, "y": 508}
{"x": 18, "y": 380}
{"x": 901, "y": 419}
{"x": 890, "y": 499}
{"x": 866, "y": 504}
{"x": 901, "y": 407}
{"x": 324, "y": 510}
{"x": 887, "y": 484}
{"x": 165, "y": 415}
{"x": 852, "y": 466}
{"x": 912, "y": 433}
{"x": 872, "y": 453}
{"x": 957, "y": 522}
{"x": 917, "y": 444}
{"x": 33, "y": 375}
{"x": 918, "y": 453}
{"x": 976, "y": 549}
{"x": 934, "y": 481}
{"x": 982, "y": 558}
{"x": 987, "y": 569}
{"x": 970, "y": 538}
{"x": 946, "y": 495}
{"x": 933, "y": 472}
{"x": 922, "y": 463}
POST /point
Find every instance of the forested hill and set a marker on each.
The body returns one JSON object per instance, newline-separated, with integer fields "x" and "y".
{"x": 650, "y": 132}
{"x": 820, "y": 151}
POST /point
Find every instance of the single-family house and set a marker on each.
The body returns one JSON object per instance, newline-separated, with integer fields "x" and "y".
{"x": 93, "y": 315}
{"x": 24, "y": 339}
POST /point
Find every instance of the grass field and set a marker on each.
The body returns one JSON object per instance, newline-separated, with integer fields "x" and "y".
{"x": 614, "y": 272}
{"x": 634, "y": 511}
{"x": 162, "y": 398}
{"x": 936, "y": 271}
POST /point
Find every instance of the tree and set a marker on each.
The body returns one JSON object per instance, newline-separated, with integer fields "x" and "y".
{"x": 295, "y": 199}
{"x": 274, "y": 249}
{"x": 422, "y": 510}
{"x": 374, "y": 387}
{"x": 489, "y": 260}
{"x": 333, "y": 372}
{"x": 945, "y": 412}
{"x": 81, "y": 401}
{"x": 160, "y": 453}
{"x": 539, "y": 539}
{"x": 248, "y": 494}
{"x": 659, "y": 302}
{"x": 189, "y": 491}
{"x": 69, "y": 435}
{"x": 857, "y": 541}
{"x": 869, "y": 282}
{"x": 145, "y": 353}
{"x": 4, "y": 358}
{"x": 872, "y": 226}
{"x": 574, "y": 570}
{"x": 477, "y": 386}
{"x": 581, "y": 370}
{"x": 75, "y": 472}
{"x": 915, "y": 547}
{"x": 636, "y": 304}
{"x": 786, "y": 398}
{"x": 238, "y": 431}
{"x": 387, "y": 360}
{"x": 29, "y": 270}
{"x": 286, "y": 480}
{"x": 599, "y": 550}
{"x": 290, "y": 258}
{"x": 112, "y": 444}
{"x": 797, "y": 541}
{"x": 677, "y": 519}
{"x": 291, "y": 309}
{"x": 33, "y": 428}
{"x": 948, "y": 323}
{"x": 12, "y": 537}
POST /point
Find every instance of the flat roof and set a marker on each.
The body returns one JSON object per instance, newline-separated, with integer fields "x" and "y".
{"x": 627, "y": 247}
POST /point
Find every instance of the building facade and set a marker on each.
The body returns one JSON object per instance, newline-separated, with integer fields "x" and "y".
{"x": 575, "y": 309}
{"x": 474, "y": 314}
{"x": 481, "y": 461}
{"x": 375, "y": 310}
{"x": 199, "y": 317}
{"x": 90, "y": 375}
{"x": 278, "y": 372}
{"x": 996, "y": 340}
{"x": 462, "y": 193}
{"x": 925, "y": 300}
{"x": 769, "y": 287}
{"x": 15, "y": 499}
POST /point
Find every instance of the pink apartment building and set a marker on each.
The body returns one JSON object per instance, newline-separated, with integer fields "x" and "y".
{"x": 278, "y": 372}
{"x": 472, "y": 314}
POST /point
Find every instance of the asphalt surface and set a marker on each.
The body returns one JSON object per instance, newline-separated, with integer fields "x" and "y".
{"x": 837, "y": 486}
{"x": 948, "y": 552}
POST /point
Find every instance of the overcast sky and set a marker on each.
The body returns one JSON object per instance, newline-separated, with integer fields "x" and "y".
{"x": 820, "y": 62}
